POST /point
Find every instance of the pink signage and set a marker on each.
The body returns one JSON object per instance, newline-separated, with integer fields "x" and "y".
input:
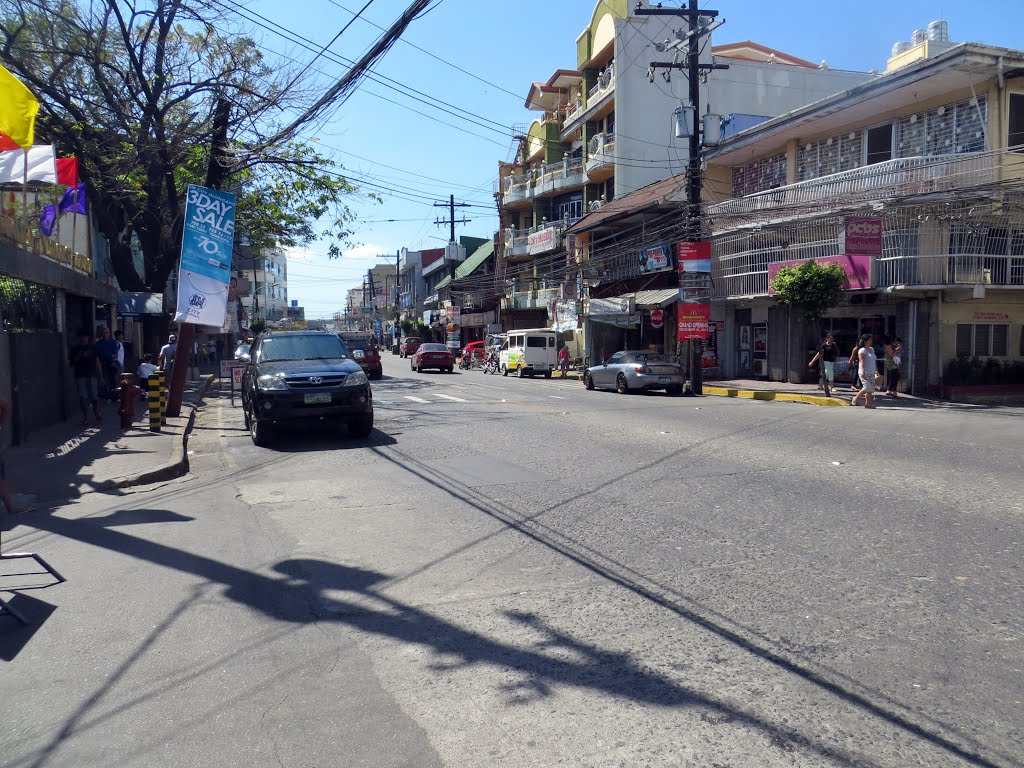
{"x": 857, "y": 268}
{"x": 862, "y": 235}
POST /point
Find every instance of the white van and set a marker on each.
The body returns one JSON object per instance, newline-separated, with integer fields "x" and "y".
{"x": 529, "y": 352}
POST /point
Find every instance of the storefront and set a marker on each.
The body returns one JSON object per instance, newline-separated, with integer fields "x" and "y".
{"x": 637, "y": 320}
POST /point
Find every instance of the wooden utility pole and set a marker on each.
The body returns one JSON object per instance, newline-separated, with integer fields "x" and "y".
{"x": 451, "y": 205}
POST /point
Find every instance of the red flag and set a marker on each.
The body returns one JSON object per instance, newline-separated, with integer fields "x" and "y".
{"x": 67, "y": 171}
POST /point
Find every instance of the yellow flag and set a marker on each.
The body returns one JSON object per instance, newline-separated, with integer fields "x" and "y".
{"x": 18, "y": 108}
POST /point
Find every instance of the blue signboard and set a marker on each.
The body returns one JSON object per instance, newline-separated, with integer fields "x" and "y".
{"x": 206, "y": 246}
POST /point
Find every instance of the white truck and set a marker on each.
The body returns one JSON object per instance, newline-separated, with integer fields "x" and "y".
{"x": 529, "y": 352}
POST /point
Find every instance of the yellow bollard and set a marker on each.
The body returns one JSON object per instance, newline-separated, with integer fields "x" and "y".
{"x": 153, "y": 400}
{"x": 163, "y": 396}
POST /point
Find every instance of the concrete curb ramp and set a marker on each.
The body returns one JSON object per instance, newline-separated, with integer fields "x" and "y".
{"x": 177, "y": 466}
{"x": 786, "y": 397}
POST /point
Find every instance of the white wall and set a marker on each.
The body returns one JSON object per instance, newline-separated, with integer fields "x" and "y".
{"x": 645, "y": 142}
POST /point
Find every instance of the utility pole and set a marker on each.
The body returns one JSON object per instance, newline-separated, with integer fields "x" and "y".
{"x": 451, "y": 205}
{"x": 694, "y": 225}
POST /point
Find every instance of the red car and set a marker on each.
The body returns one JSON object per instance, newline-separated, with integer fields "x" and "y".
{"x": 363, "y": 349}
{"x": 409, "y": 346}
{"x": 473, "y": 349}
{"x": 433, "y": 356}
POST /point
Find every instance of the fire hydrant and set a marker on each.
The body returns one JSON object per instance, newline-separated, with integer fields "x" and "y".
{"x": 128, "y": 392}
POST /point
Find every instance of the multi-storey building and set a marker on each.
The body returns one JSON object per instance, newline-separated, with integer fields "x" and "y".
{"x": 606, "y": 128}
{"x": 913, "y": 182}
{"x": 267, "y": 274}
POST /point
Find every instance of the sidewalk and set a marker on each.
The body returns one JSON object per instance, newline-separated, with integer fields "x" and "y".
{"x": 67, "y": 460}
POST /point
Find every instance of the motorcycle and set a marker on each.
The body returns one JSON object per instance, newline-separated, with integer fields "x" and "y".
{"x": 491, "y": 363}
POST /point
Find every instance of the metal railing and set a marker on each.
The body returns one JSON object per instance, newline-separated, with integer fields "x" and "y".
{"x": 566, "y": 173}
{"x": 517, "y": 241}
{"x": 893, "y": 178}
{"x": 950, "y": 269}
{"x": 600, "y": 151}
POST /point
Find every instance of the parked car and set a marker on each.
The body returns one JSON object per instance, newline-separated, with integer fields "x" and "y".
{"x": 294, "y": 377}
{"x": 433, "y": 356}
{"x": 363, "y": 349}
{"x": 409, "y": 345}
{"x": 473, "y": 349}
{"x": 631, "y": 371}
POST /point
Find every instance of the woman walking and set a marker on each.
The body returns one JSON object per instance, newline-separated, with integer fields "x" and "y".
{"x": 867, "y": 368}
{"x": 893, "y": 363}
{"x": 826, "y": 357}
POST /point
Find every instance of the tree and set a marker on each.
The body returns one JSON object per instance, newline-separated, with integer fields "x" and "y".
{"x": 811, "y": 288}
{"x": 137, "y": 90}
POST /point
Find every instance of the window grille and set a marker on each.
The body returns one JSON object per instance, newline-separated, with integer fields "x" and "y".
{"x": 766, "y": 173}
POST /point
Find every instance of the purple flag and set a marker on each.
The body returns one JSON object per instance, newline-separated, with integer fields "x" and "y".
{"x": 73, "y": 200}
{"x": 47, "y": 219}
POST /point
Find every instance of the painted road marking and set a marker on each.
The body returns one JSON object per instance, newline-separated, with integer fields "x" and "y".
{"x": 450, "y": 397}
{"x": 416, "y": 399}
{"x": 556, "y": 397}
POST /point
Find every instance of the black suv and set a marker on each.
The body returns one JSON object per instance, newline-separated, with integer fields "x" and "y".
{"x": 297, "y": 376}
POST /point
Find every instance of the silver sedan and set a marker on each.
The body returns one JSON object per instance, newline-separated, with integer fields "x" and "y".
{"x": 630, "y": 371}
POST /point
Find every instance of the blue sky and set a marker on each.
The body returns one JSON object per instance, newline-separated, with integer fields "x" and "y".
{"x": 415, "y": 158}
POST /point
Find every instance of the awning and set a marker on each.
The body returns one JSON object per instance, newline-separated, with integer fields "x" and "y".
{"x": 130, "y": 304}
{"x": 656, "y": 299}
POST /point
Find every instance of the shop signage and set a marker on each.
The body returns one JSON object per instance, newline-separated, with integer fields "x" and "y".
{"x": 656, "y": 258}
{"x": 565, "y": 315}
{"x": 619, "y": 305}
{"x": 694, "y": 257}
{"x": 862, "y": 235}
{"x": 454, "y": 316}
{"x": 693, "y": 321}
{"x": 541, "y": 241}
{"x": 991, "y": 317}
{"x": 657, "y": 318}
{"x": 857, "y": 269}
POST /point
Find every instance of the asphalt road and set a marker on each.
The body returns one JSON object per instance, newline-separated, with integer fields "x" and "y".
{"x": 522, "y": 573}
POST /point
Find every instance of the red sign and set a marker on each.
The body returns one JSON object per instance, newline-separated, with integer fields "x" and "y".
{"x": 657, "y": 318}
{"x": 693, "y": 321}
{"x": 862, "y": 235}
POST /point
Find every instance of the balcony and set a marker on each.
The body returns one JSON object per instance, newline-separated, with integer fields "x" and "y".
{"x": 899, "y": 178}
{"x": 517, "y": 188}
{"x": 539, "y": 298}
{"x": 946, "y": 270}
{"x": 601, "y": 157}
{"x": 599, "y": 102}
{"x": 516, "y": 242}
{"x": 566, "y": 174}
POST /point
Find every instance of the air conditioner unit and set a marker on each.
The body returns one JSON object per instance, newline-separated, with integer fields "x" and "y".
{"x": 761, "y": 368}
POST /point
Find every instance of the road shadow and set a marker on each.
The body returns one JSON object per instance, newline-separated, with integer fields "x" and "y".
{"x": 14, "y": 635}
{"x": 316, "y": 437}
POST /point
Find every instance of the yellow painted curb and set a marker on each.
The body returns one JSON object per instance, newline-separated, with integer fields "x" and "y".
{"x": 787, "y": 397}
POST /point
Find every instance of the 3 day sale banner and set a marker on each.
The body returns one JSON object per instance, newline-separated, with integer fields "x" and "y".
{"x": 206, "y": 245}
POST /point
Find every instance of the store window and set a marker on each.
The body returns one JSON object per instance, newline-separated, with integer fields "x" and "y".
{"x": 982, "y": 340}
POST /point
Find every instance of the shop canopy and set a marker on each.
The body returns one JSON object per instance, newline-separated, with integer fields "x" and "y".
{"x": 655, "y": 299}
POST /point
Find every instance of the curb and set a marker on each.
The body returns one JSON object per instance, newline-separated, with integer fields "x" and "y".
{"x": 787, "y": 397}
{"x": 176, "y": 467}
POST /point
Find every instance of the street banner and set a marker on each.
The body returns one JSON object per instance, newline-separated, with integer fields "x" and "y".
{"x": 656, "y": 258}
{"x": 206, "y": 245}
{"x": 693, "y": 320}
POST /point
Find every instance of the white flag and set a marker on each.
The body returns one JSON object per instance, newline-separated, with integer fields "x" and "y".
{"x": 42, "y": 165}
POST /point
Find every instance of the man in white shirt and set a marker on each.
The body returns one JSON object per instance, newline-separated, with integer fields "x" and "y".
{"x": 167, "y": 353}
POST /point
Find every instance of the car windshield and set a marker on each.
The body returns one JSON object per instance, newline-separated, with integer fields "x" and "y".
{"x": 412, "y": 340}
{"x": 433, "y": 348}
{"x": 319, "y": 347}
{"x": 358, "y": 343}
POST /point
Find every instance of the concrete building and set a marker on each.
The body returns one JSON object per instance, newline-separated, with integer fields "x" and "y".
{"x": 606, "y": 129}
{"x": 267, "y": 274}
{"x": 914, "y": 183}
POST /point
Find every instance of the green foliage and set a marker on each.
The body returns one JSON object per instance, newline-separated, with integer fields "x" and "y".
{"x": 967, "y": 371}
{"x": 134, "y": 96}
{"x": 810, "y": 288}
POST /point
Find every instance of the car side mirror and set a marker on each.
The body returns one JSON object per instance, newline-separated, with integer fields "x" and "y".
{"x": 245, "y": 357}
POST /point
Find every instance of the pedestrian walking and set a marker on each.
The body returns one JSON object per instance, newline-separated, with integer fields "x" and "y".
{"x": 893, "y": 366}
{"x": 825, "y": 358}
{"x": 167, "y": 351}
{"x": 853, "y": 364}
{"x": 85, "y": 363}
{"x": 106, "y": 351}
{"x": 146, "y": 369}
{"x": 563, "y": 360}
{"x": 867, "y": 369}
{"x": 5, "y": 491}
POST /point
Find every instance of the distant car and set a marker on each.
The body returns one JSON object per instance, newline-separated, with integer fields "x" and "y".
{"x": 473, "y": 349}
{"x": 303, "y": 376}
{"x": 364, "y": 350}
{"x": 433, "y": 356}
{"x": 409, "y": 345}
{"x": 631, "y": 371}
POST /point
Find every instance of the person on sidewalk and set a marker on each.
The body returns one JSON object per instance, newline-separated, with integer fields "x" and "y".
{"x": 146, "y": 369}
{"x": 893, "y": 363}
{"x": 87, "y": 369}
{"x": 867, "y": 369}
{"x": 106, "y": 350}
{"x": 563, "y": 360}
{"x": 5, "y": 491}
{"x": 826, "y": 357}
{"x": 853, "y": 364}
{"x": 167, "y": 351}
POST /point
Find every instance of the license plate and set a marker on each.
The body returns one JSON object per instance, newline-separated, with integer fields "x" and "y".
{"x": 317, "y": 397}
{"x": 664, "y": 379}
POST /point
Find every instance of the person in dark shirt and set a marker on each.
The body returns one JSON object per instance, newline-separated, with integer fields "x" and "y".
{"x": 87, "y": 370}
{"x": 826, "y": 357}
{"x": 106, "y": 351}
